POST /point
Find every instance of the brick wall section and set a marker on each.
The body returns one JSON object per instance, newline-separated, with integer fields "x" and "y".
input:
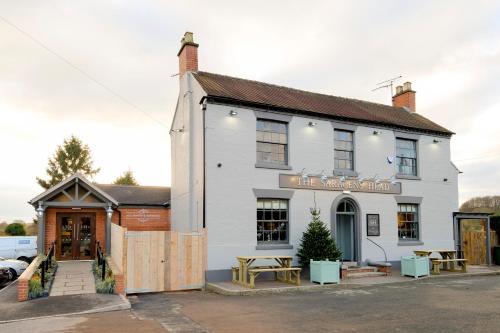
{"x": 22, "y": 290}
{"x": 144, "y": 219}
{"x": 405, "y": 99}
{"x": 51, "y": 224}
{"x": 23, "y": 280}
{"x": 119, "y": 278}
{"x": 188, "y": 59}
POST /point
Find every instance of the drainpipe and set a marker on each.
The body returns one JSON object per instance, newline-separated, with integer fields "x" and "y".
{"x": 40, "y": 243}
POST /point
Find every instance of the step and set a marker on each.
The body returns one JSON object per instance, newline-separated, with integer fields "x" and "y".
{"x": 358, "y": 270}
{"x": 365, "y": 275}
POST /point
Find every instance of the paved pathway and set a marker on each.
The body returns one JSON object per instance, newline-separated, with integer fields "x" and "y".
{"x": 73, "y": 278}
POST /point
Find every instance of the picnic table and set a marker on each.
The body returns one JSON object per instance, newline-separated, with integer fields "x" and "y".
{"x": 448, "y": 261}
{"x": 245, "y": 268}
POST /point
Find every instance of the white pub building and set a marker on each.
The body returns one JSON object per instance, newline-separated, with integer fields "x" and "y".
{"x": 249, "y": 159}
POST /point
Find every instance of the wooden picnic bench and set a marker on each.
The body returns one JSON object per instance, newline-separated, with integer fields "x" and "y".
{"x": 295, "y": 271}
{"x": 283, "y": 271}
{"x": 436, "y": 264}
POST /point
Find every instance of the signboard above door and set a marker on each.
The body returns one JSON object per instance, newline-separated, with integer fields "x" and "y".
{"x": 337, "y": 184}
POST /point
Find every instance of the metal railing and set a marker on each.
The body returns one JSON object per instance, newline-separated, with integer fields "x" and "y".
{"x": 101, "y": 260}
{"x": 45, "y": 264}
{"x": 380, "y": 247}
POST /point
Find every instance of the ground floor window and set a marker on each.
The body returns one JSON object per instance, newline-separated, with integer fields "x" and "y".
{"x": 272, "y": 221}
{"x": 408, "y": 222}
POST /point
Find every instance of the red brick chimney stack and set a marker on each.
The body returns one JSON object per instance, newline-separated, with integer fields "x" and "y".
{"x": 188, "y": 54}
{"x": 405, "y": 97}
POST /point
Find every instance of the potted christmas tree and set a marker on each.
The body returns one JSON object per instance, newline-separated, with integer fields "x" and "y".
{"x": 319, "y": 251}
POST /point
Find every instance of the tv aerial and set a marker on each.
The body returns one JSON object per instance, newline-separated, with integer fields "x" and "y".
{"x": 388, "y": 84}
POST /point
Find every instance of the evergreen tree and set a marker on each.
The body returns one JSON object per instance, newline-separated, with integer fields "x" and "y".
{"x": 15, "y": 229}
{"x": 73, "y": 156}
{"x": 317, "y": 242}
{"x": 127, "y": 178}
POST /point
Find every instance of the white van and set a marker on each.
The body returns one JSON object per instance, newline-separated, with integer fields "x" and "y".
{"x": 18, "y": 247}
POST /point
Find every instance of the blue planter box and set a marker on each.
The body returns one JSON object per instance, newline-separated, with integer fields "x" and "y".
{"x": 415, "y": 266}
{"x": 325, "y": 271}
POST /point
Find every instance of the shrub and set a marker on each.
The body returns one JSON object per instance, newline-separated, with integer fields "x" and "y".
{"x": 15, "y": 229}
{"x": 35, "y": 289}
{"x": 106, "y": 286}
{"x": 317, "y": 242}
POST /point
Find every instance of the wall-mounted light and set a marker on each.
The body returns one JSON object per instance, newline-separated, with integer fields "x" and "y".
{"x": 233, "y": 113}
{"x": 436, "y": 141}
{"x": 312, "y": 124}
{"x": 376, "y": 132}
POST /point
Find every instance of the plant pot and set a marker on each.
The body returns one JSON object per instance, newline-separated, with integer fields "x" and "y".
{"x": 415, "y": 266}
{"x": 324, "y": 271}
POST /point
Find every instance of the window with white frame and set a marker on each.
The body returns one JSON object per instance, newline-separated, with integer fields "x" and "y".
{"x": 408, "y": 222}
{"x": 272, "y": 142}
{"x": 272, "y": 221}
{"x": 344, "y": 150}
{"x": 406, "y": 156}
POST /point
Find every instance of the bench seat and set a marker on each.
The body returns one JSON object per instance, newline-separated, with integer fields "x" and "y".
{"x": 295, "y": 271}
{"x": 436, "y": 263}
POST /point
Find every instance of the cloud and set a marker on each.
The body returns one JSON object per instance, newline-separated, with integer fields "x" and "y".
{"x": 448, "y": 49}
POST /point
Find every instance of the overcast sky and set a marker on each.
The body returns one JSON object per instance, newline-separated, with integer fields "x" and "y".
{"x": 449, "y": 50}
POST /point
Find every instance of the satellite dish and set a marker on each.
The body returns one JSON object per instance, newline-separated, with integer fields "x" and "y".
{"x": 390, "y": 159}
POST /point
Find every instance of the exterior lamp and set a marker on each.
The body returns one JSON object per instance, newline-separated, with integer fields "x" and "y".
{"x": 109, "y": 212}
{"x": 324, "y": 177}
{"x": 233, "y": 113}
{"x": 436, "y": 141}
{"x": 312, "y": 124}
{"x": 376, "y": 132}
{"x": 39, "y": 211}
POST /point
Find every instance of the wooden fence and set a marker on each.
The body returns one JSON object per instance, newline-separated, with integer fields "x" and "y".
{"x": 474, "y": 246}
{"x": 159, "y": 260}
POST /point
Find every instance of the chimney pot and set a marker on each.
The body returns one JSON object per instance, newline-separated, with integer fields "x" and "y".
{"x": 404, "y": 97}
{"x": 188, "y": 54}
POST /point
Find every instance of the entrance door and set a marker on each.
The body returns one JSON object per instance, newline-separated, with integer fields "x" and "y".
{"x": 346, "y": 230}
{"x": 75, "y": 236}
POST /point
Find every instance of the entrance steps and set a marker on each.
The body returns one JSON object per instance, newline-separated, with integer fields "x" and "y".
{"x": 362, "y": 272}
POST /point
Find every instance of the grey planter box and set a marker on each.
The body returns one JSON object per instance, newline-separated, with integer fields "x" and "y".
{"x": 415, "y": 266}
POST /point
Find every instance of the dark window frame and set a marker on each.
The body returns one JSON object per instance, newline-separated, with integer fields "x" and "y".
{"x": 271, "y": 142}
{"x": 338, "y": 151}
{"x": 409, "y": 161}
{"x": 271, "y": 220}
{"x": 408, "y": 222}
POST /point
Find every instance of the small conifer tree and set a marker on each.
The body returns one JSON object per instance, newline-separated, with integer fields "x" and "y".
{"x": 317, "y": 242}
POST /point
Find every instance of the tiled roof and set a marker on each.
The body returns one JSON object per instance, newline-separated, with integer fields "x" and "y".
{"x": 254, "y": 93}
{"x": 138, "y": 195}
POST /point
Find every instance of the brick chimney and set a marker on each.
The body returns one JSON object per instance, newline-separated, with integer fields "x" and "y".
{"x": 188, "y": 54}
{"x": 405, "y": 97}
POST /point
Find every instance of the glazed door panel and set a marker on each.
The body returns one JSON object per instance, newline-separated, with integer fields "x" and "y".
{"x": 75, "y": 236}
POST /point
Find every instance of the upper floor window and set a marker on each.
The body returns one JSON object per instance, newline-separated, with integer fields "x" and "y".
{"x": 406, "y": 156}
{"x": 272, "y": 142}
{"x": 344, "y": 150}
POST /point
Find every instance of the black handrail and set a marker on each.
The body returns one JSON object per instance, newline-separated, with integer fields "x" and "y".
{"x": 385, "y": 254}
{"x": 101, "y": 260}
{"x": 46, "y": 263}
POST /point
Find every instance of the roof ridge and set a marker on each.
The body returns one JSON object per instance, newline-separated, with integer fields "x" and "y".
{"x": 134, "y": 186}
{"x": 304, "y": 91}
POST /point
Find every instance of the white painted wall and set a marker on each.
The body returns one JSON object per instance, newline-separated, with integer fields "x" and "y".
{"x": 187, "y": 158}
{"x": 231, "y": 204}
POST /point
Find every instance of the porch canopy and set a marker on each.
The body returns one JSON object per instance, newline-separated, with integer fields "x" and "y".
{"x": 74, "y": 192}
{"x": 458, "y": 217}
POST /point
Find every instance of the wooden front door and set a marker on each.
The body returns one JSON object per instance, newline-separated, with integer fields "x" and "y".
{"x": 75, "y": 236}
